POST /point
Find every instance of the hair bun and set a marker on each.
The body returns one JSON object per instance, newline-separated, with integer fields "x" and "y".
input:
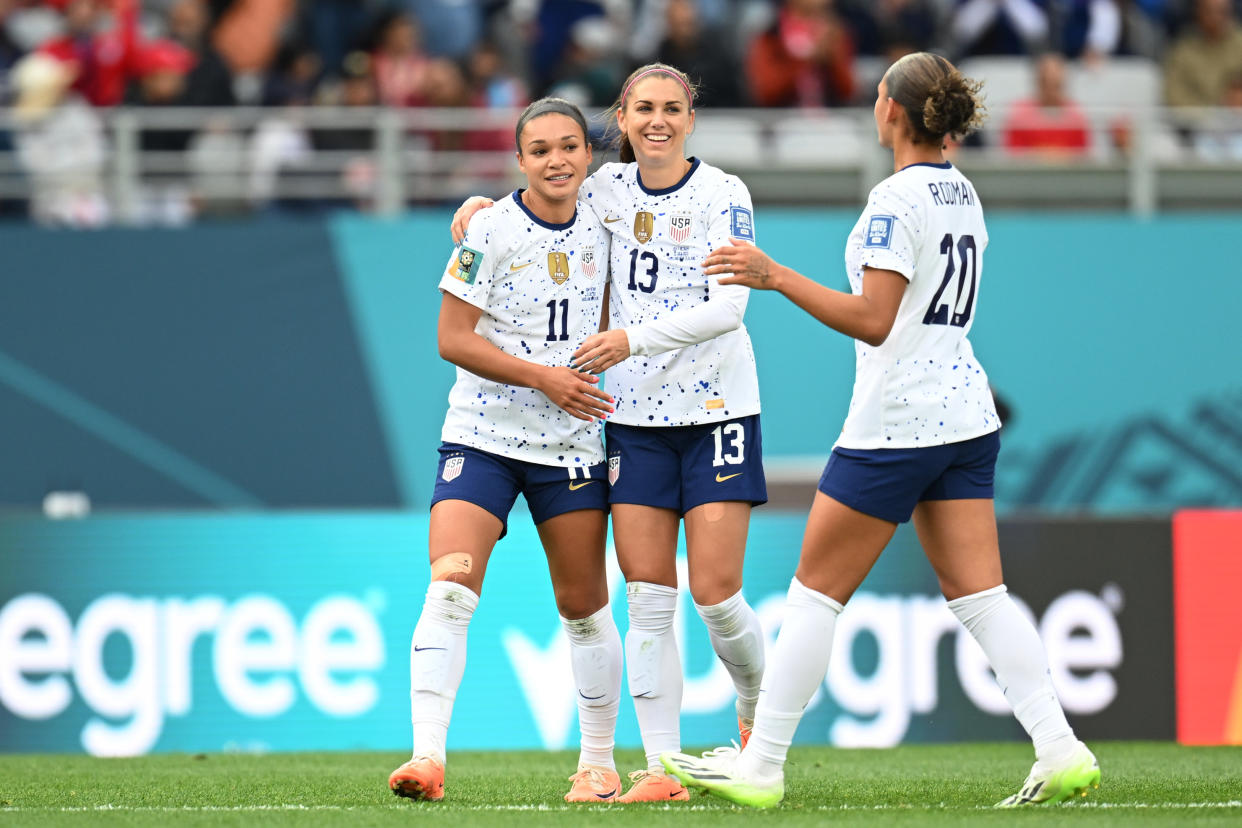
{"x": 952, "y": 106}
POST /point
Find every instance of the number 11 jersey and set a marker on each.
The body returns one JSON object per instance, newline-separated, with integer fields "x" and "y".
{"x": 922, "y": 386}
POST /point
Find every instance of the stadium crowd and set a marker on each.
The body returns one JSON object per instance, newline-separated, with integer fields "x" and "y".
{"x": 62, "y": 60}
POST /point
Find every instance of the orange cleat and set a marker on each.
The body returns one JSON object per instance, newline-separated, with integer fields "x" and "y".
{"x": 594, "y": 784}
{"x": 650, "y": 786}
{"x": 420, "y": 778}
{"x": 744, "y": 727}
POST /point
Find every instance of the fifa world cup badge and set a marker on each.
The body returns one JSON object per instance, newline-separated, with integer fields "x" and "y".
{"x": 614, "y": 469}
{"x": 644, "y": 225}
{"x": 452, "y": 468}
{"x": 558, "y": 266}
{"x": 467, "y": 265}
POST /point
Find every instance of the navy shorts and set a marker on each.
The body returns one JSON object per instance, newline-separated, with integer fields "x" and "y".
{"x": 493, "y": 483}
{"x": 889, "y": 483}
{"x": 680, "y": 467}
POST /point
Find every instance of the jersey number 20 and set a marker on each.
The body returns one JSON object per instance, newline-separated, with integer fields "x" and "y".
{"x": 967, "y": 282}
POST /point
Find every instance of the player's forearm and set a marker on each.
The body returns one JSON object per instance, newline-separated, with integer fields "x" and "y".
{"x": 483, "y": 359}
{"x": 847, "y": 313}
{"x": 689, "y": 326}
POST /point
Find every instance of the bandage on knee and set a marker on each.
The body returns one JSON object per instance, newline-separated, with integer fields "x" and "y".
{"x": 445, "y": 567}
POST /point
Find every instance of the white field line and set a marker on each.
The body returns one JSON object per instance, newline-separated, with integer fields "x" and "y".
{"x": 543, "y": 808}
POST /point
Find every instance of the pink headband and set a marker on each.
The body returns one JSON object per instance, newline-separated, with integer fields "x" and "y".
{"x": 626, "y": 92}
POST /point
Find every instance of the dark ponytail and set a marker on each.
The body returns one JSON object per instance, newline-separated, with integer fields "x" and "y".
{"x": 937, "y": 99}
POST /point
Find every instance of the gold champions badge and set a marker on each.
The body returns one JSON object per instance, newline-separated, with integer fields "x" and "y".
{"x": 558, "y": 267}
{"x": 644, "y": 224}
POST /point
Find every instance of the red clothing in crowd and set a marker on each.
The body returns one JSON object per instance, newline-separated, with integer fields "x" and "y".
{"x": 105, "y": 61}
{"x": 802, "y": 61}
{"x": 1033, "y": 128}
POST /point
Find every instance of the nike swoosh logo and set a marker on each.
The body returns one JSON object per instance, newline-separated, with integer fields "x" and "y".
{"x": 611, "y": 219}
{"x": 573, "y": 487}
{"x": 419, "y": 649}
{"x": 720, "y": 479}
{"x": 591, "y": 698}
{"x": 608, "y": 795}
{"x": 520, "y": 266}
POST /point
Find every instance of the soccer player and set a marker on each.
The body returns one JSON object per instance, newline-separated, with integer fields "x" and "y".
{"x": 684, "y": 444}
{"x": 920, "y": 439}
{"x": 524, "y": 288}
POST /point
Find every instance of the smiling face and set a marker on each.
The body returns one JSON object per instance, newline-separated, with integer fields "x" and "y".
{"x": 554, "y": 155}
{"x": 656, "y": 118}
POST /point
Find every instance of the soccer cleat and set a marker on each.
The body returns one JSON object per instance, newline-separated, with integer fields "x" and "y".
{"x": 654, "y": 787}
{"x": 420, "y": 778}
{"x": 1048, "y": 786}
{"x": 744, "y": 727}
{"x": 594, "y": 784}
{"x": 716, "y": 772}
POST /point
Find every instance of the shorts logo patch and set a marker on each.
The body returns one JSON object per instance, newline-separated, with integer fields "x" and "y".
{"x": 741, "y": 224}
{"x": 679, "y": 226}
{"x": 587, "y": 265}
{"x": 614, "y": 470}
{"x": 467, "y": 265}
{"x": 879, "y": 231}
{"x": 452, "y": 468}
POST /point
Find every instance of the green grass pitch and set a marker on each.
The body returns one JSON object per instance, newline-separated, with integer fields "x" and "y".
{"x": 1143, "y": 783}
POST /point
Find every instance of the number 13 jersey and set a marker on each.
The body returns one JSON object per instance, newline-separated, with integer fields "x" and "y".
{"x": 659, "y": 241}
{"x": 922, "y": 386}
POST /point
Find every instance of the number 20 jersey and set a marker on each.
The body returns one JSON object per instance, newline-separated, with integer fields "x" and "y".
{"x": 541, "y": 289}
{"x": 659, "y": 241}
{"x": 922, "y": 386}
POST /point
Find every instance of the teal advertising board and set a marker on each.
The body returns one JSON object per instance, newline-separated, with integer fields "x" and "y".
{"x": 128, "y": 634}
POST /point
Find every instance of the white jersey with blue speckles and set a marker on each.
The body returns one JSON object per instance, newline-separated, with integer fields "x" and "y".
{"x": 659, "y": 241}
{"x": 923, "y": 385}
{"x": 541, "y": 289}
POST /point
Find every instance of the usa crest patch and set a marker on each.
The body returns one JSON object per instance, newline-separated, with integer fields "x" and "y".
{"x": 466, "y": 267}
{"x": 741, "y": 224}
{"x": 587, "y": 264}
{"x": 614, "y": 469}
{"x": 679, "y": 226}
{"x": 452, "y": 468}
{"x": 879, "y": 231}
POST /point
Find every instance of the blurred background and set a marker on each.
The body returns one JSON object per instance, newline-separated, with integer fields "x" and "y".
{"x": 222, "y": 223}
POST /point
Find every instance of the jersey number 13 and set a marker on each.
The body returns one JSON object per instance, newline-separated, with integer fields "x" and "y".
{"x": 940, "y": 312}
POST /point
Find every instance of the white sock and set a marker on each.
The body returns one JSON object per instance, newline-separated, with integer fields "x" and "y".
{"x": 437, "y": 661}
{"x": 737, "y": 639}
{"x": 1017, "y": 656}
{"x": 654, "y": 668}
{"x": 798, "y": 664}
{"x": 595, "y": 652}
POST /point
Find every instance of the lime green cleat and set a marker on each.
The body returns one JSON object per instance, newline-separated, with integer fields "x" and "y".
{"x": 716, "y": 772}
{"x": 1049, "y": 786}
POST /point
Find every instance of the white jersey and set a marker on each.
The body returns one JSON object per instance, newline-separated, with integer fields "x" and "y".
{"x": 922, "y": 386}
{"x": 659, "y": 241}
{"x": 541, "y": 289}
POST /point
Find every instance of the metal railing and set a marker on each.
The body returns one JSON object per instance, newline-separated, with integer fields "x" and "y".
{"x": 229, "y": 161}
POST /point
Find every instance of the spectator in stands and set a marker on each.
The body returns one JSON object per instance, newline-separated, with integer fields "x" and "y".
{"x": 804, "y": 59}
{"x": 591, "y": 65}
{"x": 1050, "y": 123}
{"x": 10, "y": 50}
{"x": 877, "y": 25}
{"x": 451, "y": 27}
{"x": 163, "y": 67}
{"x": 698, "y": 52}
{"x": 1220, "y": 139}
{"x": 400, "y": 64}
{"x": 249, "y": 32}
{"x": 209, "y": 83}
{"x": 495, "y": 87}
{"x": 60, "y": 144}
{"x": 1198, "y": 67}
{"x": 335, "y": 28}
{"x": 356, "y": 145}
{"x": 104, "y": 61}
{"x": 1086, "y": 29}
{"x": 999, "y": 27}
